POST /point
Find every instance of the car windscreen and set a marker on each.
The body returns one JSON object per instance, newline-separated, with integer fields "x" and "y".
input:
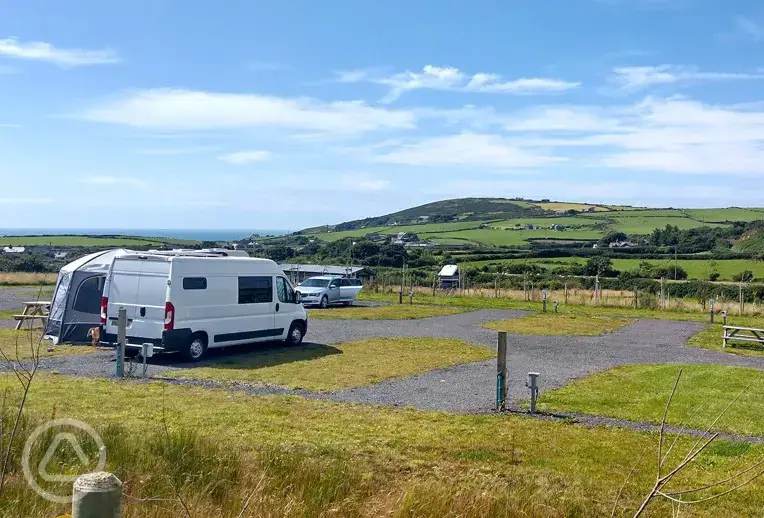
{"x": 315, "y": 283}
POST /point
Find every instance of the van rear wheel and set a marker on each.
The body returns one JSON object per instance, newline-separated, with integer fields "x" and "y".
{"x": 197, "y": 346}
{"x": 296, "y": 334}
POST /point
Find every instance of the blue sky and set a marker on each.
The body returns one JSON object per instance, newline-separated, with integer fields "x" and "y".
{"x": 243, "y": 114}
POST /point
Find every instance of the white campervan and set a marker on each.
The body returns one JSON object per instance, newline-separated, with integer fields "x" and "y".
{"x": 189, "y": 304}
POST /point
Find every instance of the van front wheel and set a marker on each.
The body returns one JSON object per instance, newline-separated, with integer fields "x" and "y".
{"x": 197, "y": 346}
{"x": 296, "y": 334}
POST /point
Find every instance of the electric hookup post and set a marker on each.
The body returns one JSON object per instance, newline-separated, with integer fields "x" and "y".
{"x": 555, "y": 306}
{"x": 543, "y": 298}
{"x": 724, "y": 317}
{"x": 501, "y": 372}
{"x": 711, "y": 304}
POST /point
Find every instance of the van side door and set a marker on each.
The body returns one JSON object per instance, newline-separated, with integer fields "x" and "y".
{"x": 286, "y": 305}
{"x": 256, "y": 293}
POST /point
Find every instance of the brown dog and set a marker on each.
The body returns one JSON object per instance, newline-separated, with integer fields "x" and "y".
{"x": 94, "y": 333}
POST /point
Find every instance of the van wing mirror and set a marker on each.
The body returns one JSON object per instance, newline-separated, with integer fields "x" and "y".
{"x": 297, "y": 297}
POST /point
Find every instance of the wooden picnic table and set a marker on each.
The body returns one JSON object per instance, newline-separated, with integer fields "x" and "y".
{"x": 33, "y": 310}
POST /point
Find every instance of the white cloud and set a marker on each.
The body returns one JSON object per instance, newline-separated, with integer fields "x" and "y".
{"x": 635, "y": 78}
{"x": 246, "y": 157}
{"x": 10, "y": 125}
{"x": 673, "y": 135}
{"x": 26, "y": 201}
{"x": 748, "y": 28}
{"x": 362, "y": 182}
{"x": 470, "y": 150}
{"x": 43, "y": 51}
{"x": 175, "y": 151}
{"x": 117, "y": 181}
{"x": 167, "y": 109}
{"x": 452, "y": 79}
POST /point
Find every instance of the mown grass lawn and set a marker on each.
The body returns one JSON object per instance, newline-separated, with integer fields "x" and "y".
{"x": 640, "y": 392}
{"x": 711, "y": 336}
{"x": 391, "y": 312}
{"x": 550, "y": 324}
{"x": 333, "y": 367}
{"x": 303, "y": 457}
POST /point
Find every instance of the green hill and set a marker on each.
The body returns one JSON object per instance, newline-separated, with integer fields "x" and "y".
{"x": 751, "y": 242}
{"x": 519, "y": 222}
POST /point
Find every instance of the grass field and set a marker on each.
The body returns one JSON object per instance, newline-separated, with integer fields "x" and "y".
{"x": 559, "y": 325}
{"x": 634, "y": 221}
{"x": 334, "y": 367}
{"x": 695, "y": 268}
{"x": 392, "y": 312}
{"x": 300, "y": 458}
{"x": 88, "y": 241}
{"x": 640, "y": 392}
{"x": 26, "y": 279}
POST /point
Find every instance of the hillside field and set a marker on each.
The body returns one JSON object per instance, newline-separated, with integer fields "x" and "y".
{"x": 90, "y": 241}
{"x": 492, "y": 230}
{"x": 695, "y": 268}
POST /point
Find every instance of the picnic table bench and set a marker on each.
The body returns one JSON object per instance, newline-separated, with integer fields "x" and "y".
{"x": 743, "y": 334}
{"x": 34, "y": 310}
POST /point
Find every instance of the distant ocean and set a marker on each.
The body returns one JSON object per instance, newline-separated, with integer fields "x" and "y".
{"x": 177, "y": 233}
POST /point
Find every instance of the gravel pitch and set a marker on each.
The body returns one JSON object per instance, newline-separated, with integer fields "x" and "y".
{"x": 468, "y": 387}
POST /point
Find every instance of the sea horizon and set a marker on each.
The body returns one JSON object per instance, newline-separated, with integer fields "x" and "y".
{"x": 203, "y": 234}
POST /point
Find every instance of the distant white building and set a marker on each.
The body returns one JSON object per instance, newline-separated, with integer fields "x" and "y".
{"x": 449, "y": 277}
{"x": 13, "y": 250}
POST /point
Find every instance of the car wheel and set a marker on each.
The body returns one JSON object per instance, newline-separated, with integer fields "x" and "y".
{"x": 197, "y": 346}
{"x": 324, "y": 302}
{"x": 295, "y": 335}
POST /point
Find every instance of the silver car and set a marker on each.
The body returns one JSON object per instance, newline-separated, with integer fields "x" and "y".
{"x": 327, "y": 290}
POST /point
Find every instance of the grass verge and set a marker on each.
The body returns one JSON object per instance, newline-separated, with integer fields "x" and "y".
{"x": 550, "y": 324}
{"x": 301, "y": 457}
{"x": 22, "y": 344}
{"x": 711, "y": 337}
{"x": 332, "y": 367}
{"x": 640, "y": 392}
{"x": 392, "y": 312}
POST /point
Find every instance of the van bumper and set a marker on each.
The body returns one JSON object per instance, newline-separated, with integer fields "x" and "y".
{"x": 173, "y": 340}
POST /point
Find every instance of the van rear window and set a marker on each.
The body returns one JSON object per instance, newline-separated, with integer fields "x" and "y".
{"x": 255, "y": 290}
{"x": 194, "y": 283}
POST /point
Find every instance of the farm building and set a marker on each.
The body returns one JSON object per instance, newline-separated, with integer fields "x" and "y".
{"x": 449, "y": 276}
{"x": 300, "y": 272}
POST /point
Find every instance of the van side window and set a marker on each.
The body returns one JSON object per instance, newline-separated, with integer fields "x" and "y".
{"x": 255, "y": 290}
{"x": 285, "y": 291}
{"x": 194, "y": 283}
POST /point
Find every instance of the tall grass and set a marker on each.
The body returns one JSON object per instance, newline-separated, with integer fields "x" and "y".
{"x": 215, "y": 479}
{"x": 27, "y": 279}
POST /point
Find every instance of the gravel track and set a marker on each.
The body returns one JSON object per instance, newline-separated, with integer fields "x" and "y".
{"x": 467, "y": 387}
